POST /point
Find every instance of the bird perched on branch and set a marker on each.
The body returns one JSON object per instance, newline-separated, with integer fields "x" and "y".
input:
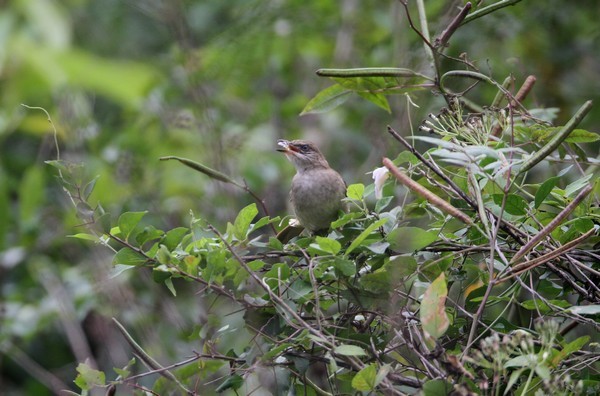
{"x": 317, "y": 190}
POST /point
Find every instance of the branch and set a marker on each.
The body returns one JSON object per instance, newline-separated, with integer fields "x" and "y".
{"x": 425, "y": 193}
{"x": 553, "y": 224}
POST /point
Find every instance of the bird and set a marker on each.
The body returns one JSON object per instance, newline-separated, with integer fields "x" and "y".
{"x": 317, "y": 191}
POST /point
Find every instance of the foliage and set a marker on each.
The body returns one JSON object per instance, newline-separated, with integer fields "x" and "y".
{"x": 434, "y": 286}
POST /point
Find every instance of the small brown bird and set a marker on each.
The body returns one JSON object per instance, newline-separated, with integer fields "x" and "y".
{"x": 317, "y": 190}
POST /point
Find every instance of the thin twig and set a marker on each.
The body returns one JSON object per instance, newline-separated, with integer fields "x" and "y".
{"x": 553, "y": 224}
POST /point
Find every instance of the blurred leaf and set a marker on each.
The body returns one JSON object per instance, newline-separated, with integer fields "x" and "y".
{"x": 233, "y": 382}
{"x": 573, "y": 346}
{"x": 327, "y": 99}
{"x": 433, "y": 315}
{"x": 87, "y": 377}
{"x": 410, "y": 239}
{"x": 126, "y": 82}
{"x": 4, "y": 209}
{"x": 364, "y": 380}
{"x": 31, "y": 196}
{"x": 592, "y": 309}
{"x": 350, "y": 350}
{"x": 243, "y": 221}
{"x": 377, "y": 99}
{"x": 86, "y": 237}
{"x": 436, "y": 387}
{"x": 541, "y": 306}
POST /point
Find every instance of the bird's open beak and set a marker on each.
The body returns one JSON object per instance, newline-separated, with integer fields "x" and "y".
{"x": 285, "y": 147}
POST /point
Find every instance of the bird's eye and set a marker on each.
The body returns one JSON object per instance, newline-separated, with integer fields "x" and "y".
{"x": 304, "y": 148}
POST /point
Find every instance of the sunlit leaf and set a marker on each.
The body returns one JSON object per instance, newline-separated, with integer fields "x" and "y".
{"x": 243, "y": 220}
{"x": 355, "y": 191}
{"x": 364, "y": 380}
{"x": 434, "y": 318}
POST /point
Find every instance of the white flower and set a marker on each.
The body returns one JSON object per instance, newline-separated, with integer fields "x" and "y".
{"x": 380, "y": 175}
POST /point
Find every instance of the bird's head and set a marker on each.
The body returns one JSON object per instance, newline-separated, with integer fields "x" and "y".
{"x": 303, "y": 154}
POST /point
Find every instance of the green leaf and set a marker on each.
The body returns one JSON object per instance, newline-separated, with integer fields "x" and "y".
{"x": 327, "y": 99}
{"x": 126, "y": 256}
{"x": 349, "y": 350}
{"x": 173, "y": 237}
{"x": 355, "y": 191}
{"x": 31, "y": 196}
{"x": 128, "y": 221}
{"x": 243, "y": 220}
{"x": 410, "y": 239}
{"x": 382, "y": 203}
{"x": 581, "y": 136}
{"x": 377, "y": 99}
{"x": 433, "y": 315}
{"x": 84, "y": 236}
{"x": 87, "y": 190}
{"x": 364, "y": 380}
{"x": 363, "y": 235}
{"x": 345, "y": 219}
{"x": 376, "y": 282}
{"x": 436, "y": 387}
{"x": 344, "y": 266}
{"x": 544, "y": 190}
{"x": 328, "y": 245}
{"x": 233, "y": 382}
{"x": 123, "y": 81}
{"x": 568, "y": 349}
{"x": 515, "y": 204}
{"x": 542, "y": 306}
{"x": 88, "y": 378}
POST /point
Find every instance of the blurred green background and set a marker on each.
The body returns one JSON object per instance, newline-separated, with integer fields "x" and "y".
{"x": 129, "y": 81}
